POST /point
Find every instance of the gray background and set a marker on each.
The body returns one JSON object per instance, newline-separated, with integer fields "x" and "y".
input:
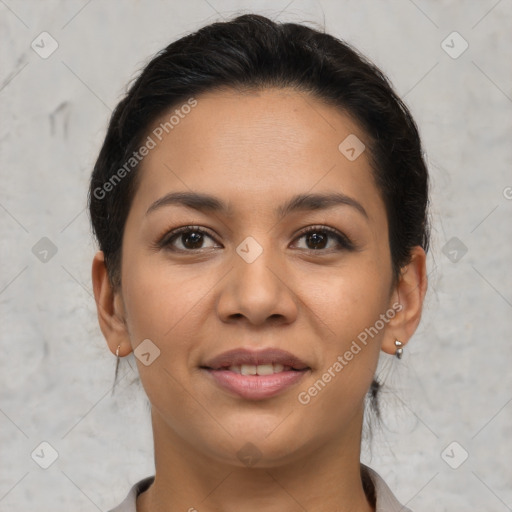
{"x": 453, "y": 383}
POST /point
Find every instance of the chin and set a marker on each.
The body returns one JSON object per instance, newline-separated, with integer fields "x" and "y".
{"x": 251, "y": 446}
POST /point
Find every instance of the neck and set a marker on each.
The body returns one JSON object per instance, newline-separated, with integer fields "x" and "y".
{"x": 323, "y": 478}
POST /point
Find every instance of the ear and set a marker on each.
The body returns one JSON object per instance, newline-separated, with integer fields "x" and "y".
{"x": 409, "y": 293}
{"x": 110, "y": 308}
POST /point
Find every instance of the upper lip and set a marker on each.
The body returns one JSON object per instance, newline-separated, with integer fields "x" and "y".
{"x": 240, "y": 356}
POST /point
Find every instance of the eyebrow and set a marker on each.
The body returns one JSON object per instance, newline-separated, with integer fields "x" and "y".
{"x": 301, "y": 202}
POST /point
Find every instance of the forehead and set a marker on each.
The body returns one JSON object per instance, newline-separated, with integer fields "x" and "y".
{"x": 256, "y": 146}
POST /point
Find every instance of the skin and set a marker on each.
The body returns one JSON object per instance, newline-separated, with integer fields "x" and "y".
{"x": 255, "y": 150}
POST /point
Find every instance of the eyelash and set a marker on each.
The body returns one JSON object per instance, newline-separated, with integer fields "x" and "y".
{"x": 169, "y": 237}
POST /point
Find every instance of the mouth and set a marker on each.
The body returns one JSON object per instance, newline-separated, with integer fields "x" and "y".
{"x": 255, "y": 375}
{"x": 260, "y": 369}
{"x": 247, "y": 359}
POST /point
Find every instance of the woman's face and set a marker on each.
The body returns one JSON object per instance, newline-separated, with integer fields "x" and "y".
{"x": 247, "y": 277}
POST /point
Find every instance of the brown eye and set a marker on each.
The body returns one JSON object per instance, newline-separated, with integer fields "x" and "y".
{"x": 317, "y": 238}
{"x": 192, "y": 239}
{"x": 188, "y": 238}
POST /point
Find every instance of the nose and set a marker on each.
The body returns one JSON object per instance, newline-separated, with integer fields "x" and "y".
{"x": 259, "y": 291}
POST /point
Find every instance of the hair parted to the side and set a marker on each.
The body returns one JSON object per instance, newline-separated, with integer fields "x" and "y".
{"x": 252, "y": 52}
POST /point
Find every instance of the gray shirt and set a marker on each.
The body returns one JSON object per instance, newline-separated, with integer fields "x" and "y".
{"x": 374, "y": 485}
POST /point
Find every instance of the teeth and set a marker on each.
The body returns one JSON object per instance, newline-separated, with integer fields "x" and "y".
{"x": 261, "y": 369}
{"x": 265, "y": 369}
{"x": 248, "y": 369}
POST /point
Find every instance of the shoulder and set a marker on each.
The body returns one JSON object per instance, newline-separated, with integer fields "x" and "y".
{"x": 130, "y": 502}
{"x": 385, "y": 500}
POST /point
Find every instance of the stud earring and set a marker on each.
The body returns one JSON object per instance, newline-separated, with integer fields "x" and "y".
{"x": 399, "y": 350}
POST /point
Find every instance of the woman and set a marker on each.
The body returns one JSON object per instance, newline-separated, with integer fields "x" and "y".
{"x": 260, "y": 202}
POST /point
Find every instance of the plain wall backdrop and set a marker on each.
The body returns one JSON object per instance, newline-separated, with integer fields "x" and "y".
{"x": 448, "y": 398}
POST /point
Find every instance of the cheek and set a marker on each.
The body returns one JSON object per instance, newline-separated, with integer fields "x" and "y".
{"x": 159, "y": 298}
{"x": 159, "y": 305}
{"x": 349, "y": 357}
{"x": 350, "y": 298}
{"x": 350, "y": 306}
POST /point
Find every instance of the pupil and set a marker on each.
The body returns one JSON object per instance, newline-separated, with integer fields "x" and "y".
{"x": 195, "y": 239}
{"x": 316, "y": 239}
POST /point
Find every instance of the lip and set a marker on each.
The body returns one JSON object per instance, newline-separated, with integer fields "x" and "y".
{"x": 255, "y": 387}
{"x": 239, "y": 356}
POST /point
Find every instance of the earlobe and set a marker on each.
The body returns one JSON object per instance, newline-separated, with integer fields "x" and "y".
{"x": 410, "y": 293}
{"x": 109, "y": 308}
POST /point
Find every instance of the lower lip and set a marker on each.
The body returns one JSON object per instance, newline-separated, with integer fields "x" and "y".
{"x": 256, "y": 387}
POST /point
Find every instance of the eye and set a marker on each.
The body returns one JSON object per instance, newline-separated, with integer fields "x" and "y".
{"x": 317, "y": 237}
{"x": 190, "y": 237}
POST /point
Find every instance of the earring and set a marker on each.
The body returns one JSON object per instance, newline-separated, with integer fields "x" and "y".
{"x": 399, "y": 350}
{"x": 117, "y": 368}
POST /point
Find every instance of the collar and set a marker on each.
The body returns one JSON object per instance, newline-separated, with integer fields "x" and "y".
{"x": 375, "y": 487}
